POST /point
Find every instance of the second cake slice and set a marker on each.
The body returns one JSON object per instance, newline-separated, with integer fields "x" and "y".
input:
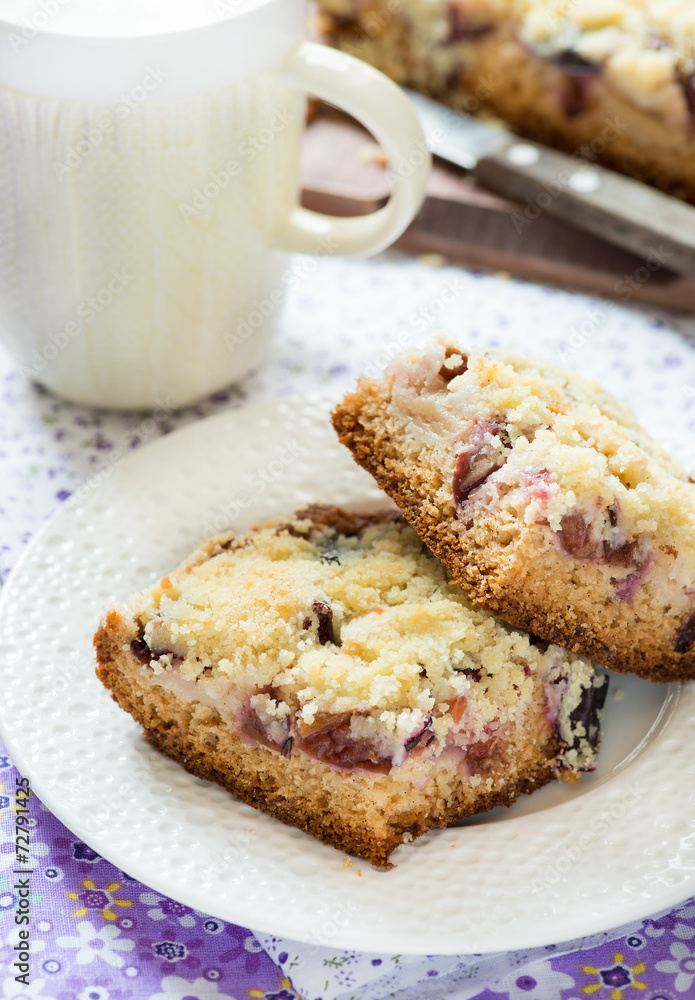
{"x": 544, "y": 497}
{"x": 323, "y": 669}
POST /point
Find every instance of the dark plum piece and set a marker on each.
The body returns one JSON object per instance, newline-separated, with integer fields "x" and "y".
{"x": 328, "y": 552}
{"x": 686, "y": 637}
{"x": 447, "y": 373}
{"x": 325, "y": 617}
{"x": 176, "y": 658}
{"x": 478, "y": 460}
{"x": 253, "y": 728}
{"x": 324, "y": 629}
{"x": 471, "y": 672}
{"x": 464, "y": 30}
{"x": 586, "y": 713}
{"x": 578, "y": 74}
{"x": 627, "y": 587}
{"x": 256, "y": 730}
{"x": 575, "y": 64}
{"x": 425, "y": 736}
{"x": 471, "y": 472}
{"x": 331, "y": 743}
{"x": 540, "y": 644}
{"x": 142, "y": 652}
{"x": 575, "y": 98}
{"x": 620, "y": 555}
{"x": 478, "y": 751}
{"x": 340, "y": 521}
{"x": 412, "y": 742}
{"x": 416, "y": 740}
{"x": 623, "y": 553}
{"x": 688, "y": 85}
{"x": 576, "y": 536}
{"x": 655, "y": 42}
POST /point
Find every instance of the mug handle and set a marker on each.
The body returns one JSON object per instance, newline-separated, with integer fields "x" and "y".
{"x": 387, "y": 113}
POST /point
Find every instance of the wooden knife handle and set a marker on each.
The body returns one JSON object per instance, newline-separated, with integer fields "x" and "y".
{"x": 658, "y": 228}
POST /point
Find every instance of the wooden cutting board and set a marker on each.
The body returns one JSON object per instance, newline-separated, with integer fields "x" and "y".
{"x": 343, "y": 174}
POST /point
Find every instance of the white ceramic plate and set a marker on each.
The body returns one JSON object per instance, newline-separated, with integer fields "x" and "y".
{"x": 568, "y": 861}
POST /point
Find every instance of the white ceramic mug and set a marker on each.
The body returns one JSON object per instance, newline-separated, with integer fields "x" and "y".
{"x": 149, "y": 154}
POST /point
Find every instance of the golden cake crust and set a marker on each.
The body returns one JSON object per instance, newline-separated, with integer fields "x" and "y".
{"x": 514, "y": 568}
{"x": 296, "y": 790}
{"x": 434, "y": 710}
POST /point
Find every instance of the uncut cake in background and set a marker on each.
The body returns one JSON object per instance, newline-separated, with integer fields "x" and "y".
{"x": 324, "y": 669}
{"x": 611, "y": 78}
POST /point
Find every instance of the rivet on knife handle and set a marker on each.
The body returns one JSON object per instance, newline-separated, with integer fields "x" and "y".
{"x": 625, "y": 212}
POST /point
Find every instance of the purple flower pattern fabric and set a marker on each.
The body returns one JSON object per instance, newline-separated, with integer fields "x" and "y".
{"x": 96, "y": 933}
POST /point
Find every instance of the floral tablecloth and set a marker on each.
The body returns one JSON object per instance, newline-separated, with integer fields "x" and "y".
{"x": 97, "y": 933}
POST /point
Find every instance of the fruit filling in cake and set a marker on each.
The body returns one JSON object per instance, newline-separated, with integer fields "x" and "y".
{"x": 544, "y": 497}
{"x": 326, "y": 669}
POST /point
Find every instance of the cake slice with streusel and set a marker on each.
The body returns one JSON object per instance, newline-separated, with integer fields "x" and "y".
{"x": 324, "y": 669}
{"x": 542, "y": 495}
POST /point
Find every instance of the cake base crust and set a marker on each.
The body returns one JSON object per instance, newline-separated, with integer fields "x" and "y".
{"x": 363, "y": 814}
{"x": 515, "y": 573}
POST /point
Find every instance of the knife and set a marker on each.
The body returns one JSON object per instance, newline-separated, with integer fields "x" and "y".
{"x": 658, "y": 228}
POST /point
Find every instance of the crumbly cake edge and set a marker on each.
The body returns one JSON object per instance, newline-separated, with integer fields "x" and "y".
{"x": 489, "y": 584}
{"x": 158, "y": 712}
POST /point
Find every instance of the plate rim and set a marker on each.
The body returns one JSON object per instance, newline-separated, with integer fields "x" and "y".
{"x": 573, "y": 927}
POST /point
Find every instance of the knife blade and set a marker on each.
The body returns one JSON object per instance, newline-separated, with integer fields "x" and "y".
{"x": 625, "y": 212}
